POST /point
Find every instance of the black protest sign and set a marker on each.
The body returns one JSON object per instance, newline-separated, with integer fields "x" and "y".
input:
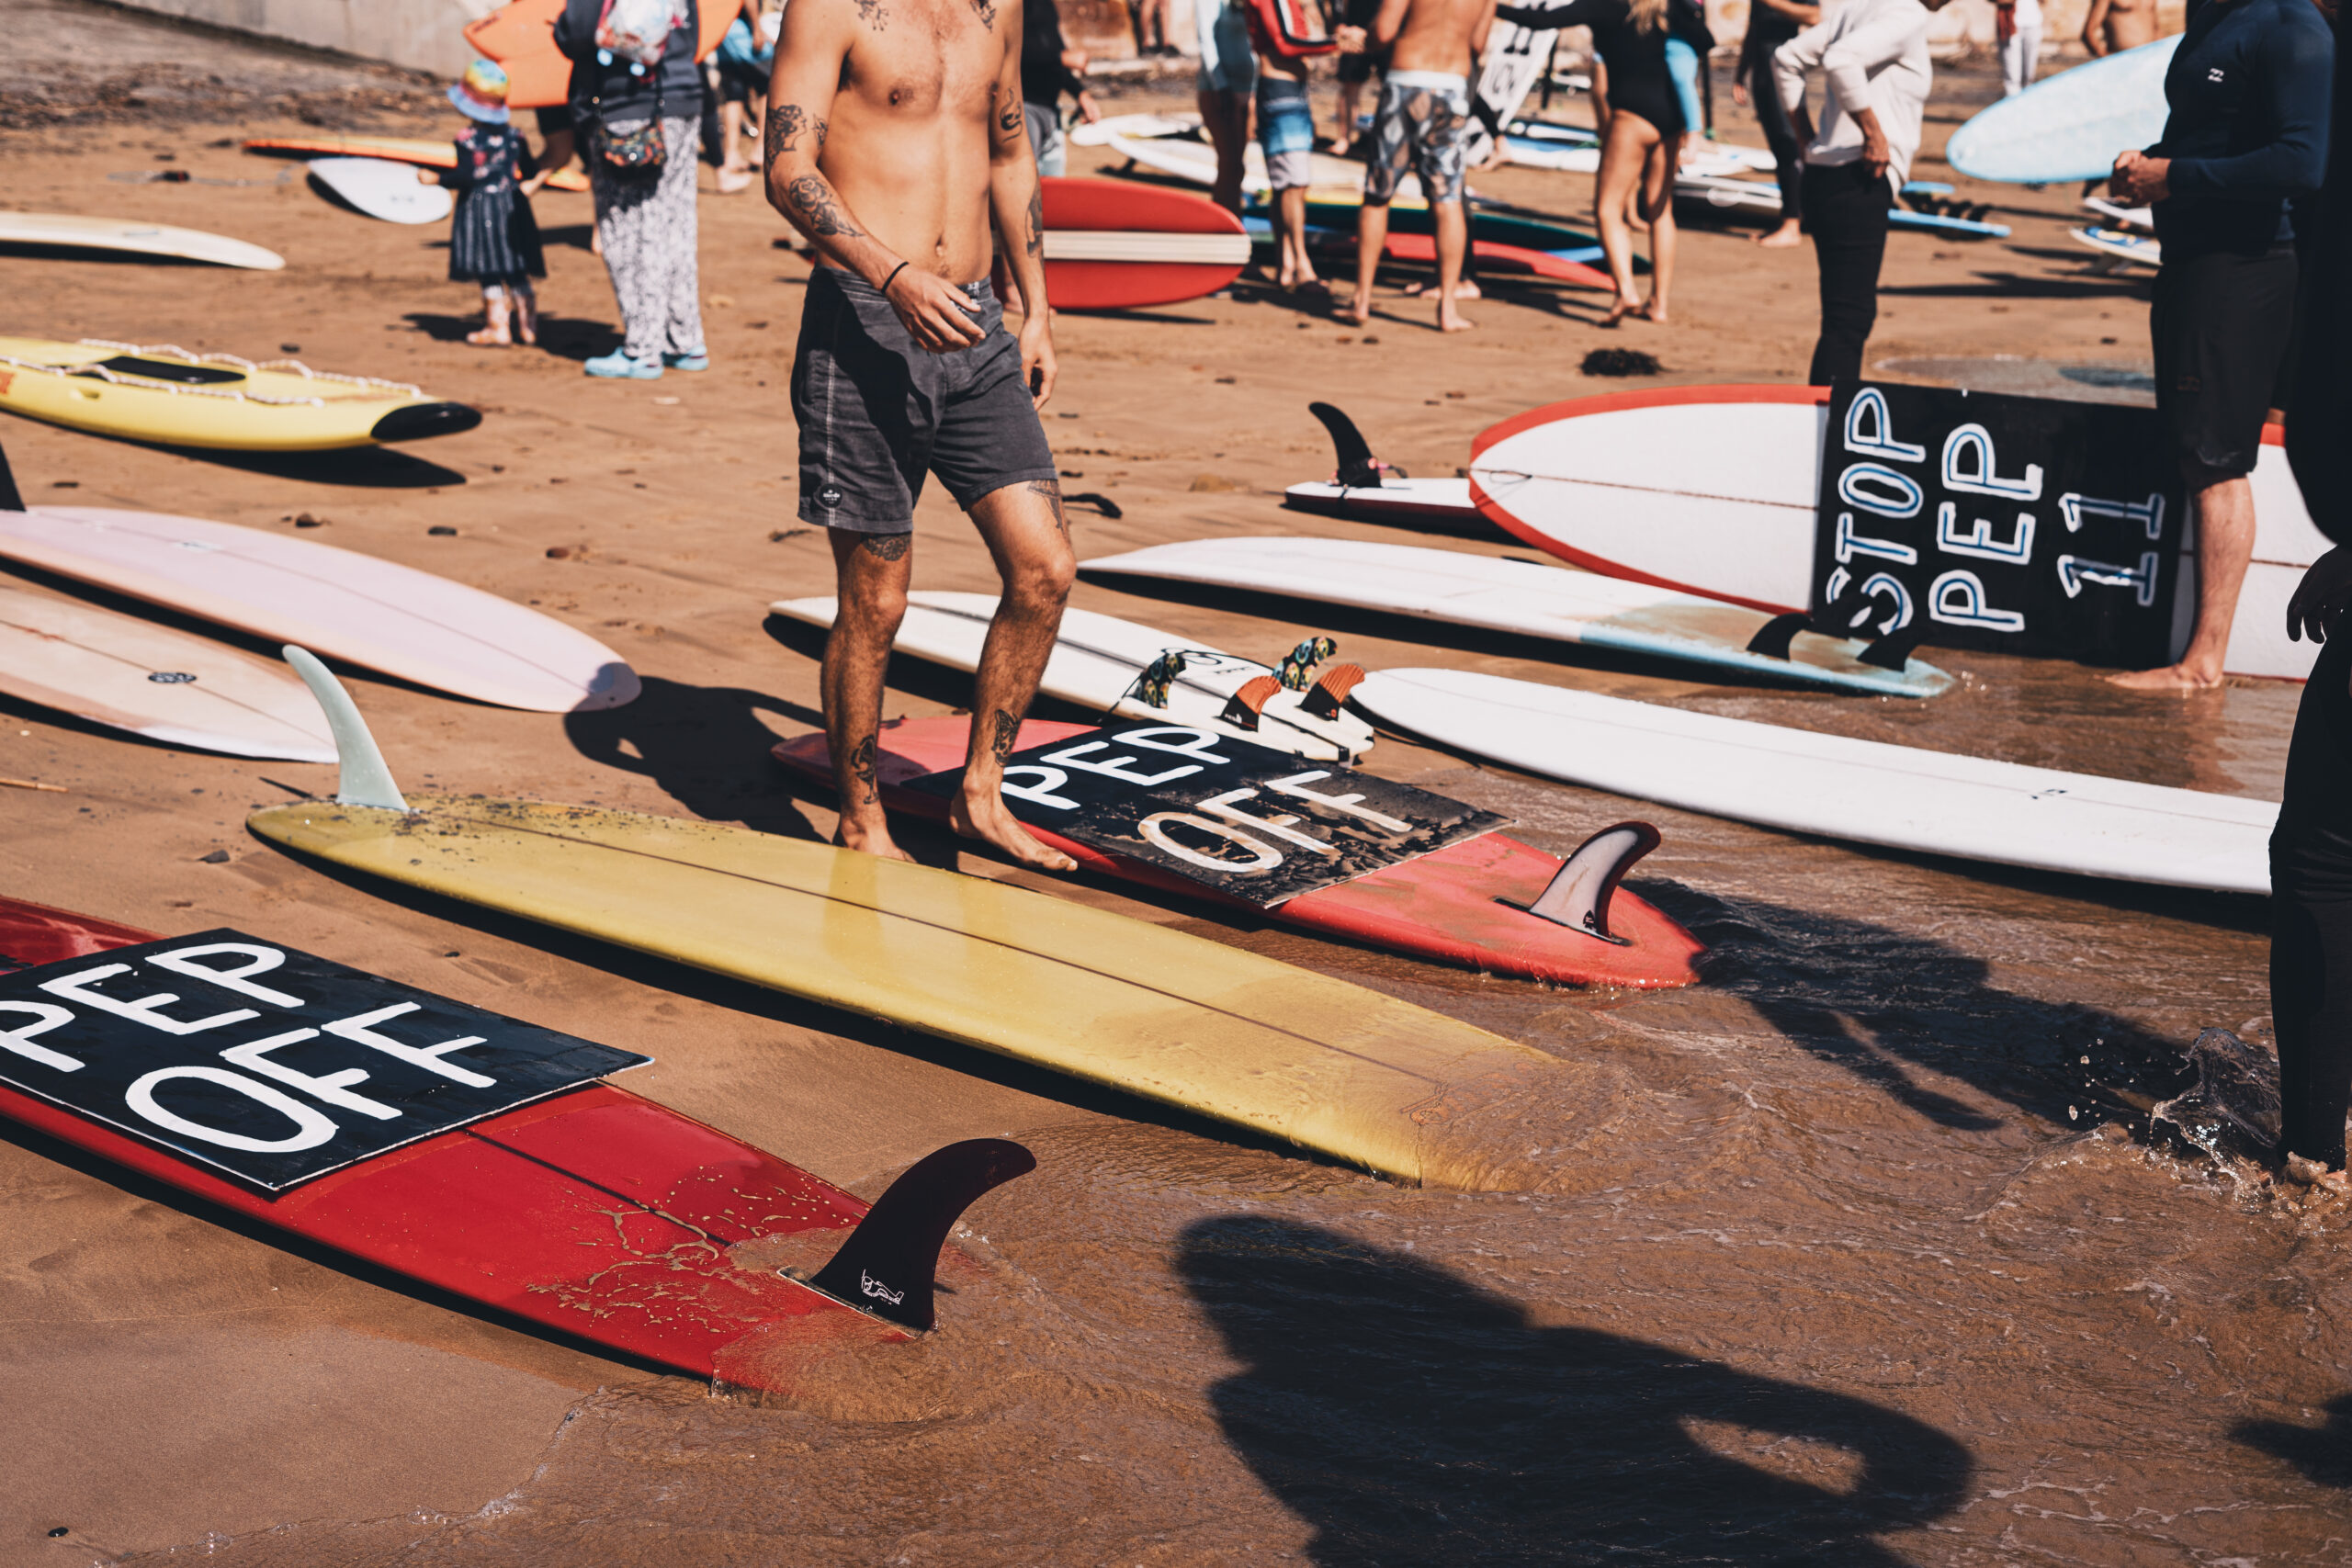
{"x": 1228, "y": 814}
{"x": 2026, "y": 525}
{"x": 266, "y": 1064}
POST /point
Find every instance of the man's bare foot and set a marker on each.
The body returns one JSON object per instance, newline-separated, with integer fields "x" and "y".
{"x": 1359, "y": 311}
{"x": 1782, "y": 238}
{"x": 490, "y": 337}
{"x": 1619, "y": 310}
{"x": 993, "y": 824}
{"x": 731, "y": 180}
{"x": 869, "y": 839}
{"x": 2309, "y": 1173}
{"x": 2171, "y": 677}
{"x": 1653, "y": 312}
{"x": 1449, "y": 320}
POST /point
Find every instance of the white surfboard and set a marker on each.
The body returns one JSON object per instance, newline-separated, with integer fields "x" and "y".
{"x": 1525, "y": 598}
{"x": 382, "y": 188}
{"x": 1098, "y": 663}
{"x": 1861, "y": 791}
{"x": 1393, "y": 499}
{"x": 154, "y": 681}
{"x": 2140, "y": 218}
{"x": 1197, "y": 161}
{"x": 339, "y": 603}
{"x": 65, "y": 230}
{"x": 2122, "y": 246}
{"x": 1711, "y": 490}
{"x": 2072, "y": 125}
{"x": 1142, "y": 127}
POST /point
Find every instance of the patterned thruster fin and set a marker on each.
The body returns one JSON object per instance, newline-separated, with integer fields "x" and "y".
{"x": 1300, "y": 661}
{"x": 1151, "y": 686}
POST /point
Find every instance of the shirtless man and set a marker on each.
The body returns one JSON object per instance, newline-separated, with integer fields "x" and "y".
{"x": 1424, "y": 111}
{"x": 2114, "y": 25}
{"x": 894, "y": 134}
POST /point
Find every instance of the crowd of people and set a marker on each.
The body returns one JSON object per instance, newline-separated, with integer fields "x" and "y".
{"x": 906, "y": 367}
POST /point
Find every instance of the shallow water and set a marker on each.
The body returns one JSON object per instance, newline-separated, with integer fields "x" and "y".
{"x": 1863, "y": 1252}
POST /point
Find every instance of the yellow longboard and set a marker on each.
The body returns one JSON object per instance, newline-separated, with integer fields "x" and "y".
{"x": 1315, "y": 1062}
{"x": 180, "y": 398}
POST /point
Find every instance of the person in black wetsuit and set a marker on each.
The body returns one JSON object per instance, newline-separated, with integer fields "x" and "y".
{"x": 1642, "y": 141}
{"x": 1049, "y": 68}
{"x": 1770, "y": 24}
{"x": 2310, "y": 853}
{"x": 2246, "y": 137}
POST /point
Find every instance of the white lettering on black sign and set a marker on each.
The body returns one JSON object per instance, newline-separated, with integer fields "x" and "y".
{"x": 266, "y": 1063}
{"x": 1229, "y": 814}
{"x": 2030, "y": 526}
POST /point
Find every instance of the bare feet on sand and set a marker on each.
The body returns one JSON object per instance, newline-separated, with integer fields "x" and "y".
{"x": 1782, "y": 238}
{"x": 1358, "y": 311}
{"x": 1449, "y": 320}
{"x": 2318, "y": 1178}
{"x": 1465, "y": 290}
{"x": 1621, "y": 308}
{"x": 989, "y": 821}
{"x": 2179, "y": 678}
{"x": 869, "y": 839}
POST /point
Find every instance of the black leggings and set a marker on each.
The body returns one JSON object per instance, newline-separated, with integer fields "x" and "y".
{"x": 1845, "y": 212}
{"x": 1781, "y": 136}
{"x": 2311, "y": 916}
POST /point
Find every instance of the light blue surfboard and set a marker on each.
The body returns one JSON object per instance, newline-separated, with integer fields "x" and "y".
{"x": 2070, "y": 126}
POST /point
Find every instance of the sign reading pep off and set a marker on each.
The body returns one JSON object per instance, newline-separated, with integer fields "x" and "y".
{"x": 1243, "y": 818}
{"x": 2025, "y": 526}
{"x": 267, "y": 1064}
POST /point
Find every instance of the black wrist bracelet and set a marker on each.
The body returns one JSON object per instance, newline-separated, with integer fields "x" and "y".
{"x": 892, "y": 279}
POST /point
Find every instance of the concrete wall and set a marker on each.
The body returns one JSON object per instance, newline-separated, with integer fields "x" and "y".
{"x": 420, "y": 34}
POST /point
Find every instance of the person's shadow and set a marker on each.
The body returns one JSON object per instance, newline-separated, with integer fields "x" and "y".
{"x": 2324, "y": 1453}
{"x": 703, "y": 747}
{"x": 1412, "y": 1417}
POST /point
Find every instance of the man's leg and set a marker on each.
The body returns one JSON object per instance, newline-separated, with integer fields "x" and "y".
{"x": 870, "y": 574}
{"x": 1226, "y": 116}
{"x": 1453, "y": 243}
{"x": 2224, "y": 548}
{"x": 1371, "y": 238}
{"x": 1846, "y": 210}
{"x": 1787, "y": 155}
{"x": 1026, "y": 532}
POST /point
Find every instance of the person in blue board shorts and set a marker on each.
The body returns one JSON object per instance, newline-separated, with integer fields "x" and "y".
{"x": 2246, "y": 137}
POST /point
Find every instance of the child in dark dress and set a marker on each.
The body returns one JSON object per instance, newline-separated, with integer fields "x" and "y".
{"x": 493, "y": 239}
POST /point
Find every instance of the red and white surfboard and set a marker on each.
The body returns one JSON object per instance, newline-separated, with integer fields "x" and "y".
{"x": 1111, "y": 245}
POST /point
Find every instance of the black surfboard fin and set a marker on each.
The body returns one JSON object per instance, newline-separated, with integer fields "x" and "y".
{"x": 1774, "y": 637}
{"x": 1578, "y": 894}
{"x": 1096, "y": 499}
{"x": 1358, "y": 469}
{"x": 10, "y": 500}
{"x": 1893, "y": 651}
{"x": 885, "y": 1267}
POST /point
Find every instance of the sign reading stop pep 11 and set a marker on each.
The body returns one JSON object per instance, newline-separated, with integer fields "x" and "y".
{"x": 2028, "y": 525}
{"x": 1243, "y": 818}
{"x": 266, "y": 1064}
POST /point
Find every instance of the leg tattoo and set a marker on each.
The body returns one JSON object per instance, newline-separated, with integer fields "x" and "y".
{"x": 1007, "y": 730}
{"x": 887, "y": 546}
{"x": 1051, "y": 490}
{"x": 861, "y": 764}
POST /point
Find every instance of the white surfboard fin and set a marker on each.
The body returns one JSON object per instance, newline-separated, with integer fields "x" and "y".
{"x": 365, "y": 781}
{"x": 10, "y": 500}
{"x": 1578, "y": 894}
{"x": 886, "y": 1266}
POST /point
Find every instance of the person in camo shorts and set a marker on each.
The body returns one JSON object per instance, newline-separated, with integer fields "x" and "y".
{"x": 1423, "y": 115}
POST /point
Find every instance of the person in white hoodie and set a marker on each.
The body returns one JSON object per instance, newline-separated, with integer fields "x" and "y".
{"x": 1873, "y": 54}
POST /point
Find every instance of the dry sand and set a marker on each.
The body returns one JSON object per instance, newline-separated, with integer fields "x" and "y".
{"x": 173, "y": 1380}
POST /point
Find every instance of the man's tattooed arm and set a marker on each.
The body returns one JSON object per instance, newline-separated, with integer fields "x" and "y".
{"x": 1008, "y": 113}
{"x": 786, "y": 124}
{"x": 818, "y": 210}
{"x": 1035, "y": 243}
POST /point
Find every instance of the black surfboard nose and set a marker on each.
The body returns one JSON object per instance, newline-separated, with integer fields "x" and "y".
{"x": 414, "y": 421}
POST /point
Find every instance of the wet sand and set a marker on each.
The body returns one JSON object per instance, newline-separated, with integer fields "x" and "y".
{"x": 1863, "y": 1252}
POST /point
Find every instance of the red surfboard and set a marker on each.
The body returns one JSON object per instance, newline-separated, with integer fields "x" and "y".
{"x": 1113, "y": 245}
{"x": 521, "y": 37}
{"x": 1465, "y": 904}
{"x": 1496, "y": 257}
{"x": 594, "y": 1212}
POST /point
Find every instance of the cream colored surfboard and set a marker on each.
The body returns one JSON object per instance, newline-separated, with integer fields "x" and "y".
{"x": 154, "y": 681}
{"x": 132, "y": 237}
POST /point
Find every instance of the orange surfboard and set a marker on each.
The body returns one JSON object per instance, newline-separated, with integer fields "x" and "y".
{"x": 521, "y": 37}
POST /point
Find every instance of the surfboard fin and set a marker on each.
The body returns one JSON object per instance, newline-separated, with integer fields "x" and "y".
{"x": 365, "y": 781}
{"x": 10, "y": 500}
{"x": 1300, "y": 661}
{"x": 1775, "y": 636}
{"x": 886, "y": 1266}
{"x": 1578, "y": 894}
{"x": 1359, "y": 469}
{"x": 1893, "y": 651}
{"x": 1244, "y": 707}
{"x": 1331, "y": 692}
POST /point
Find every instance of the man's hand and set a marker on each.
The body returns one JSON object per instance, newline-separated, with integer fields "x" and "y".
{"x": 1088, "y": 110}
{"x": 2320, "y": 598}
{"x": 1351, "y": 40}
{"x": 1877, "y": 156}
{"x": 937, "y": 314}
{"x": 1039, "y": 367}
{"x": 2139, "y": 179}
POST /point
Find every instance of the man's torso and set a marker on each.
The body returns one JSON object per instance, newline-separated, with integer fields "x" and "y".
{"x": 1436, "y": 37}
{"x": 908, "y": 142}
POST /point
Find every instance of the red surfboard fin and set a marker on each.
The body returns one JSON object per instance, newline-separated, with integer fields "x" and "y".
{"x": 1332, "y": 691}
{"x": 1244, "y": 707}
{"x": 886, "y": 1266}
{"x": 1578, "y": 894}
